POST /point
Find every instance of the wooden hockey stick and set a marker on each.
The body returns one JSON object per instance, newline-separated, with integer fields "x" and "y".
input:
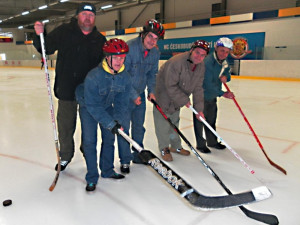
{"x": 51, "y": 188}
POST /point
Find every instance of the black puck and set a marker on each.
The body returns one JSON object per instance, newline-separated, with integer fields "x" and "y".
{"x": 7, "y": 202}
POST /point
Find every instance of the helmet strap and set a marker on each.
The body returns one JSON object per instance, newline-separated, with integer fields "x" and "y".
{"x": 191, "y": 61}
{"x": 110, "y": 66}
{"x": 217, "y": 58}
{"x": 143, "y": 35}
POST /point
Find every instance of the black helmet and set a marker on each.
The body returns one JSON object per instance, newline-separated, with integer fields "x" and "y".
{"x": 155, "y": 27}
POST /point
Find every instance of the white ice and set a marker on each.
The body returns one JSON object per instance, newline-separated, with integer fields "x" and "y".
{"x": 27, "y": 159}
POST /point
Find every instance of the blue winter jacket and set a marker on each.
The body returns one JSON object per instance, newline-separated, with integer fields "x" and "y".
{"x": 212, "y": 84}
{"x": 102, "y": 90}
{"x": 142, "y": 70}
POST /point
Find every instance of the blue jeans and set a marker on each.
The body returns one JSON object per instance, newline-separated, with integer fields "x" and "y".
{"x": 108, "y": 148}
{"x": 89, "y": 142}
{"x": 137, "y": 118}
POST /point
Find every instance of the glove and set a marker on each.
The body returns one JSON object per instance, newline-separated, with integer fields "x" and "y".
{"x": 114, "y": 130}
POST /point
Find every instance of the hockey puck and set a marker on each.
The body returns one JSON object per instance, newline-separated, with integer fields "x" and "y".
{"x": 7, "y": 202}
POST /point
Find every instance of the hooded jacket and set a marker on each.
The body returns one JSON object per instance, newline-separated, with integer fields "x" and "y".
{"x": 77, "y": 54}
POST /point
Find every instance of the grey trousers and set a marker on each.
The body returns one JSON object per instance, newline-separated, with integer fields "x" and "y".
{"x": 66, "y": 124}
{"x": 210, "y": 113}
{"x": 166, "y": 135}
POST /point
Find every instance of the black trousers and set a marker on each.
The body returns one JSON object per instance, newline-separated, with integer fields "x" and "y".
{"x": 210, "y": 113}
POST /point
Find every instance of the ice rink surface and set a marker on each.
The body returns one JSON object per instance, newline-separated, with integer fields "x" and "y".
{"x": 27, "y": 160}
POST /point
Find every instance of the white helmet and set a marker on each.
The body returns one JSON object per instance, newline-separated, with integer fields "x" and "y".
{"x": 224, "y": 42}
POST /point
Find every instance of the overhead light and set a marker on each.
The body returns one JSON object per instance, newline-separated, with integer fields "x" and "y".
{"x": 25, "y": 13}
{"x": 20, "y": 27}
{"x": 45, "y": 21}
{"x": 0, "y": 21}
{"x": 64, "y": 0}
{"x": 43, "y": 7}
{"x": 106, "y": 6}
{"x": 122, "y": 3}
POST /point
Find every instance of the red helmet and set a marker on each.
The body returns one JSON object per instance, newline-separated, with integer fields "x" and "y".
{"x": 155, "y": 27}
{"x": 201, "y": 44}
{"x": 115, "y": 46}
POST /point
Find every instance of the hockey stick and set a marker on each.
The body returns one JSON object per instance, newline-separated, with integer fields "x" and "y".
{"x": 51, "y": 188}
{"x": 187, "y": 192}
{"x": 255, "y": 136}
{"x": 266, "y": 218}
{"x": 221, "y": 139}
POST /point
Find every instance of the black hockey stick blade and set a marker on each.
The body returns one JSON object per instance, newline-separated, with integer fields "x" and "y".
{"x": 205, "y": 202}
{"x": 194, "y": 197}
{"x": 191, "y": 194}
{"x": 265, "y": 218}
{"x": 262, "y": 217}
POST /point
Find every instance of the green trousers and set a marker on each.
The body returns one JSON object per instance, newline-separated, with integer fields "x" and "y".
{"x": 166, "y": 135}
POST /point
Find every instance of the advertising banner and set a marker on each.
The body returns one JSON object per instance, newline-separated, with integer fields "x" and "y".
{"x": 245, "y": 46}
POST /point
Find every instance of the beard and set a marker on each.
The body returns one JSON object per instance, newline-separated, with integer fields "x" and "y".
{"x": 86, "y": 25}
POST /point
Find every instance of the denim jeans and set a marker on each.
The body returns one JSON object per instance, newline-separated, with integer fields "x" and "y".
{"x": 89, "y": 142}
{"x": 137, "y": 118}
{"x": 108, "y": 149}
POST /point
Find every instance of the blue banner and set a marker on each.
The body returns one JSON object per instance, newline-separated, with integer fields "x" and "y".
{"x": 245, "y": 46}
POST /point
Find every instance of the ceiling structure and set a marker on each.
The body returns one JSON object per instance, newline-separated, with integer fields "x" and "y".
{"x": 12, "y": 11}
